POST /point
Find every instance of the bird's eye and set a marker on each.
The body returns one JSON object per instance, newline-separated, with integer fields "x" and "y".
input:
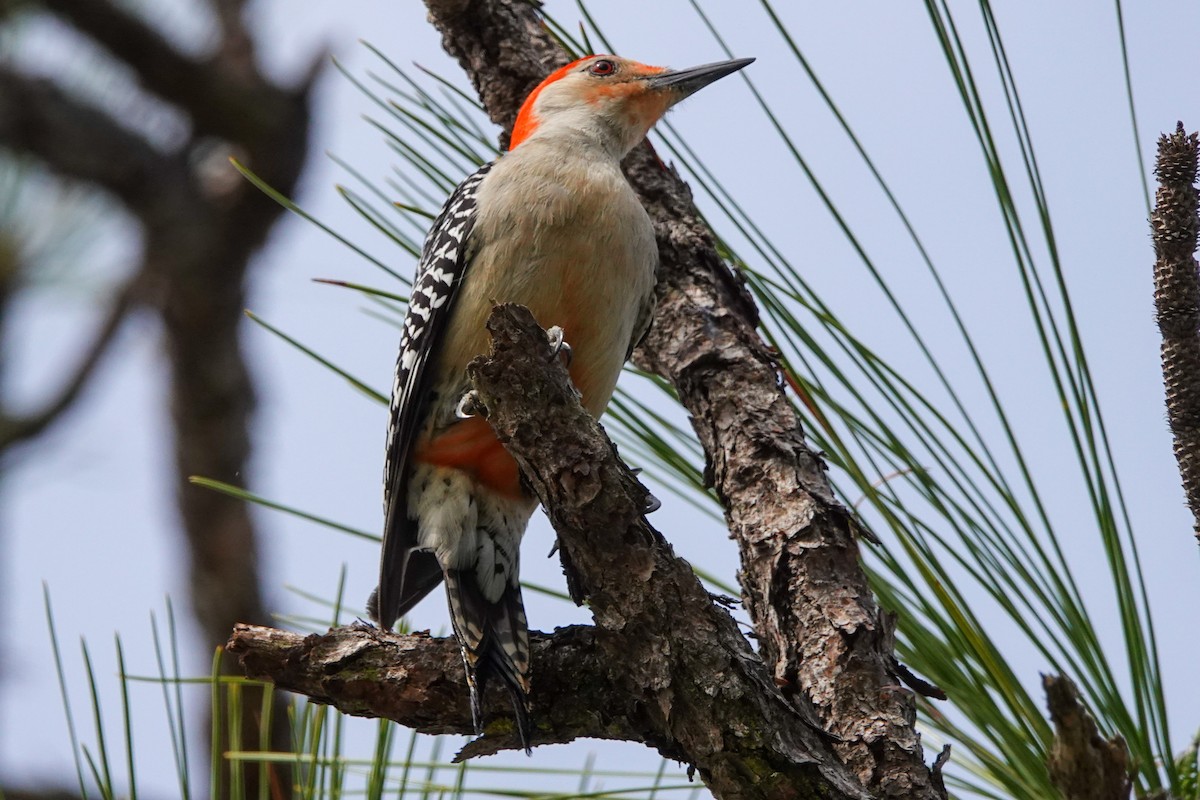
{"x": 603, "y": 67}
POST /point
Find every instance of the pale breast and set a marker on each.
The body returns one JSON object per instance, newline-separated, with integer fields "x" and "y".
{"x": 569, "y": 240}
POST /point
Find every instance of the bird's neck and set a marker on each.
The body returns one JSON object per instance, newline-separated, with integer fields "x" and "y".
{"x": 579, "y": 131}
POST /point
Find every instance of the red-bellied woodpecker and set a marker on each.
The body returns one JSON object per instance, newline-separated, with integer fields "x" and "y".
{"x": 553, "y": 225}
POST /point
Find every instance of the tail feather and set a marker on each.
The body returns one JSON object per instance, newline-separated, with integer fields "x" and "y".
{"x": 407, "y": 573}
{"x": 495, "y": 642}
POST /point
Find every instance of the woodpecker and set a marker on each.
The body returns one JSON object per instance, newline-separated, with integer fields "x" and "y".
{"x": 554, "y": 225}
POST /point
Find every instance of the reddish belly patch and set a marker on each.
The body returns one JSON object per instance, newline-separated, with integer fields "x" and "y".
{"x": 471, "y": 446}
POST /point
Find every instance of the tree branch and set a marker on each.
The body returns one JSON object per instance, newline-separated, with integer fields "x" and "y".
{"x": 222, "y": 98}
{"x": 237, "y": 46}
{"x": 15, "y": 429}
{"x": 1174, "y": 225}
{"x": 818, "y": 626}
{"x": 82, "y": 142}
{"x": 1083, "y": 765}
{"x": 665, "y": 663}
{"x": 817, "y": 623}
{"x": 418, "y": 681}
{"x": 670, "y": 645}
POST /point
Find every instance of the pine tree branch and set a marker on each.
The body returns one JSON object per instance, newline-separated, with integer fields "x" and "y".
{"x": 18, "y": 428}
{"x": 418, "y": 681}
{"x": 1083, "y": 765}
{"x": 82, "y": 142}
{"x": 665, "y": 665}
{"x": 1174, "y": 225}
{"x": 221, "y": 98}
{"x": 818, "y": 626}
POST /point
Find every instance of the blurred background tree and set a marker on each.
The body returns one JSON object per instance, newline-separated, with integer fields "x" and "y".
{"x": 156, "y": 144}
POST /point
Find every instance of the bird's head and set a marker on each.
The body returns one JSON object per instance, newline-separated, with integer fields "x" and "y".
{"x": 611, "y": 99}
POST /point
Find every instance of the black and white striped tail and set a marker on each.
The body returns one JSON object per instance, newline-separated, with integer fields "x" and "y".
{"x": 495, "y": 642}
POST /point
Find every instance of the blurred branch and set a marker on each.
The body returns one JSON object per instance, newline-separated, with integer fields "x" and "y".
{"x": 816, "y": 620}
{"x": 1083, "y": 765}
{"x": 80, "y": 141}
{"x": 1174, "y": 225}
{"x": 15, "y": 429}
{"x": 223, "y": 97}
{"x": 38, "y": 793}
{"x": 199, "y": 236}
{"x": 237, "y": 47}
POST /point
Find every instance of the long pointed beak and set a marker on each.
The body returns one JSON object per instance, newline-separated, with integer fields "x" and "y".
{"x": 689, "y": 81}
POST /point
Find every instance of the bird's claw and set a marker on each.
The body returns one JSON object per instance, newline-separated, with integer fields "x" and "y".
{"x": 470, "y": 405}
{"x": 558, "y": 344}
{"x": 652, "y": 504}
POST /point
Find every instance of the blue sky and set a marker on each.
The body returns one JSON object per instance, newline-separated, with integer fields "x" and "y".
{"x": 89, "y": 511}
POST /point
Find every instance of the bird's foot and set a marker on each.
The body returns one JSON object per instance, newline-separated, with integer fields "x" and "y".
{"x": 652, "y": 503}
{"x": 470, "y": 406}
{"x": 558, "y": 344}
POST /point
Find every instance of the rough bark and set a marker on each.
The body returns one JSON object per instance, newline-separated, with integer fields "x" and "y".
{"x": 1174, "y": 225}
{"x": 671, "y": 667}
{"x": 814, "y": 616}
{"x": 1083, "y": 765}
{"x": 201, "y": 227}
{"x": 819, "y": 629}
{"x": 664, "y": 664}
{"x": 823, "y": 640}
{"x": 418, "y": 681}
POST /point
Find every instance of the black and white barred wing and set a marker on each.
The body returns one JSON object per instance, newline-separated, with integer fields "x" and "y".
{"x": 405, "y": 573}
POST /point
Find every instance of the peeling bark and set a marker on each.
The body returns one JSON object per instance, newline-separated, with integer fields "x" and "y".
{"x": 418, "y": 681}
{"x": 1083, "y": 764}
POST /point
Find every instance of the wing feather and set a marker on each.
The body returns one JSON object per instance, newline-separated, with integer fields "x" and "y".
{"x": 407, "y": 574}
